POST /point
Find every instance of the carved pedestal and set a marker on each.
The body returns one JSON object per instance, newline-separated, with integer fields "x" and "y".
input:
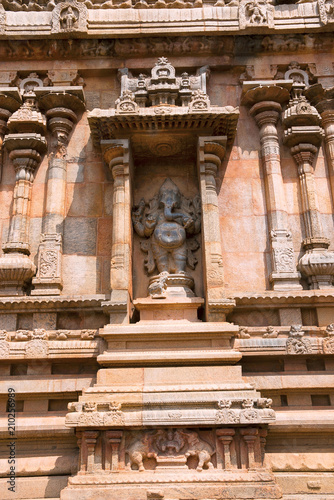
{"x": 168, "y": 416}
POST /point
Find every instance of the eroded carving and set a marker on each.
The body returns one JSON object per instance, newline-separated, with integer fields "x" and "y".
{"x": 69, "y": 16}
{"x": 37, "y": 349}
{"x": 4, "y": 349}
{"x": 328, "y": 342}
{"x": 295, "y": 343}
{"x": 270, "y": 333}
{"x": 326, "y": 11}
{"x": 256, "y": 13}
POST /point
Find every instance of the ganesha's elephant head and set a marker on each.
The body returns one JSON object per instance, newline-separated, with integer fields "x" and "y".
{"x": 169, "y": 199}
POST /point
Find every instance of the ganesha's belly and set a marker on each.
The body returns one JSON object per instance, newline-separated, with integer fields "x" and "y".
{"x": 169, "y": 235}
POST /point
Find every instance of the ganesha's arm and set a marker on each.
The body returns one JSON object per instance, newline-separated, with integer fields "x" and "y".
{"x": 139, "y": 227}
{"x": 149, "y": 228}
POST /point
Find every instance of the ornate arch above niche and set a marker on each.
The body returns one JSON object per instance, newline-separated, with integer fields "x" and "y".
{"x": 165, "y": 118}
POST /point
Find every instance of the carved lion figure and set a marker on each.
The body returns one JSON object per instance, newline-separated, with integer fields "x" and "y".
{"x": 141, "y": 449}
{"x": 200, "y": 449}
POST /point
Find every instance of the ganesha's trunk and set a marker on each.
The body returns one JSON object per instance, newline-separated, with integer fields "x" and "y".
{"x": 169, "y": 215}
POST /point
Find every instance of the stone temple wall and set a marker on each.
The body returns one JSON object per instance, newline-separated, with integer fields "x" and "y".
{"x": 167, "y": 260}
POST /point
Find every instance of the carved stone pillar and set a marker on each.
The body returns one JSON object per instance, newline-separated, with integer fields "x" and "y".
{"x": 225, "y": 436}
{"x": 25, "y": 144}
{"x": 62, "y": 105}
{"x": 250, "y": 436}
{"x": 90, "y": 438}
{"x": 263, "y": 434}
{"x": 117, "y": 156}
{"x": 304, "y": 134}
{"x": 211, "y": 151}
{"x": 266, "y": 108}
{"x": 114, "y": 438}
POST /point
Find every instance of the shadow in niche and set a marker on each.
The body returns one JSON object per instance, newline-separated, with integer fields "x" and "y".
{"x": 150, "y": 174}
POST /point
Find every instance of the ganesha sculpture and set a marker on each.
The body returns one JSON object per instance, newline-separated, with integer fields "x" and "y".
{"x": 167, "y": 225}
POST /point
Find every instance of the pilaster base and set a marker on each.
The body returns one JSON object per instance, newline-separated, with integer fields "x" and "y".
{"x": 285, "y": 281}
{"x": 318, "y": 266}
{"x": 15, "y": 270}
{"x": 46, "y": 288}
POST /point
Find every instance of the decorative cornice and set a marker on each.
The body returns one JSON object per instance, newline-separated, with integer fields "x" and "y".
{"x": 115, "y": 21}
{"x": 44, "y": 304}
{"x": 283, "y": 299}
{"x": 107, "y": 124}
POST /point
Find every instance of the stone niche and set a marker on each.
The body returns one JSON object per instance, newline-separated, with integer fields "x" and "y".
{"x": 175, "y": 141}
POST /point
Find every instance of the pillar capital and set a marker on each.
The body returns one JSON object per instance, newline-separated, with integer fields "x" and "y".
{"x": 115, "y": 154}
{"x": 266, "y": 93}
{"x": 304, "y": 153}
{"x": 62, "y": 106}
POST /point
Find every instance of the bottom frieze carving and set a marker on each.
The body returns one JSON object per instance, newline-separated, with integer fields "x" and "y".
{"x": 171, "y": 451}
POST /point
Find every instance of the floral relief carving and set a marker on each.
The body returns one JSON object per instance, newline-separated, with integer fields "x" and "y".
{"x": 48, "y": 263}
{"x": 249, "y": 413}
{"x": 225, "y": 415}
{"x": 284, "y": 259}
{"x": 90, "y": 418}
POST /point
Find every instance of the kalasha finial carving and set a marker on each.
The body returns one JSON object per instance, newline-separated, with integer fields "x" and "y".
{"x": 165, "y": 223}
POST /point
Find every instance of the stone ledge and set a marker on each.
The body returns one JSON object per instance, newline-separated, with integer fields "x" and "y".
{"x": 202, "y": 356}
